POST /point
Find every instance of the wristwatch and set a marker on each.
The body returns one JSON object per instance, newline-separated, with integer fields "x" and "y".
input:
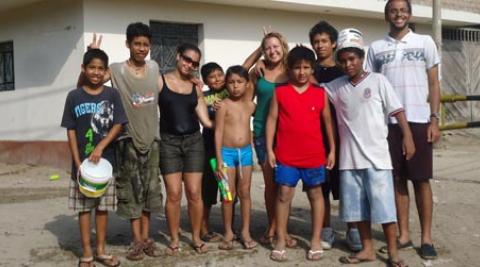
{"x": 435, "y": 115}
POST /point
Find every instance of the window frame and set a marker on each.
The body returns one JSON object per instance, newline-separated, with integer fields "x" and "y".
{"x": 6, "y": 48}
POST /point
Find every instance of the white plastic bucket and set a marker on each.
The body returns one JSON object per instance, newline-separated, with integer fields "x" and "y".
{"x": 350, "y": 38}
{"x": 94, "y": 178}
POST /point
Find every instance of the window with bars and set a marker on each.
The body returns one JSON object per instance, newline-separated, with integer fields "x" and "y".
{"x": 7, "y": 77}
{"x": 166, "y": 36}
{"x": 461, "y": 34}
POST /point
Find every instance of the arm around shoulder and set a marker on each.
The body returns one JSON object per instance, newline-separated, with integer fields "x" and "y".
{"x": 202, "y": 111}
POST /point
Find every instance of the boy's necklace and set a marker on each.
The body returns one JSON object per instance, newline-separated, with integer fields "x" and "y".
{"x": 359, "y": 79}
{"x": 137, "y": 70}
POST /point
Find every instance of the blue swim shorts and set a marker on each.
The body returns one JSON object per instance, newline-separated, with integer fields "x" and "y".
{"x": 237, "y": 157}
{"x": 367, "y": 195}
{"x": 289, "y": 176}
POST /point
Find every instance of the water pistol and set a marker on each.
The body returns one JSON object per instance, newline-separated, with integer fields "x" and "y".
{"x": 222, "y": 181}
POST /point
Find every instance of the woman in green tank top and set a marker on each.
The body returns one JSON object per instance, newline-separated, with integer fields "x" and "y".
{"x": 265, "y": 76}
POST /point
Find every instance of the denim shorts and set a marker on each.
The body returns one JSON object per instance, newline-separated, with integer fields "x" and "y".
{"x": 367, "y": 195}
{"x": 289, "y": 176}
{"x": 237, "y": 157}
{"x": 260, "y": 149}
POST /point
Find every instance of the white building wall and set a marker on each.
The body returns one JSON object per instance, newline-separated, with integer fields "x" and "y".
{"x": 230, "y": 33}
{"x": 50, "y": 38}
{"x": 48, "y": 45}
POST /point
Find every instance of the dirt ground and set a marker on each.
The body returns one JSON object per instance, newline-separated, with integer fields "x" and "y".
{"x": 37, "y": 229}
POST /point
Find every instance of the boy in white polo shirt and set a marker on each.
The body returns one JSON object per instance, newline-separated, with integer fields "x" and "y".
{"x": 410, "y": 62}
{"x": 363, "y": 102}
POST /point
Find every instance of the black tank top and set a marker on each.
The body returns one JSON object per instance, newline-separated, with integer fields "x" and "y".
{"x": 177, "y": 111}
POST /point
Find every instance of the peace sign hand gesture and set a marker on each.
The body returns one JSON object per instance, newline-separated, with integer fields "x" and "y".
{"x": 95, "y": 44}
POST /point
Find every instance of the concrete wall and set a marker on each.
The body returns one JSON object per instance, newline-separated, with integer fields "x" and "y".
{"x": 48, "y": 46}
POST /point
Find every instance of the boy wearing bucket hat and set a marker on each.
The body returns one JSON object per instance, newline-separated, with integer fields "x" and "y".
{"x": 363, "y": 100}
{"x": 410, "y": 61}
{"x": 93, "y": 116}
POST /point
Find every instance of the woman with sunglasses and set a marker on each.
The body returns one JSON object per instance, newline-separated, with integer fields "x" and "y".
{"x": 182, "y": 106}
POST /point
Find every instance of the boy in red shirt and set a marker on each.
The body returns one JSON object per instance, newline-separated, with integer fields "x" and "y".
{"x": 296, "y": 112}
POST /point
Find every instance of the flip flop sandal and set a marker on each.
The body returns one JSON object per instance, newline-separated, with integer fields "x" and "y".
{"x": 211, "y": 237}
{"x": 150, "y": 249}
{"x": 226, "y": 245}
{"x": 108, "y": 260}
{"x": 314, "y": 255}
{"x": 86, "y": 260}
{"x": 266, "y": 239}
{"x": 200, "y": 248}
{"x": 404, "y": 246}
{"x": 135, "y": 252}
{"x": 278, "y": 255}
{"x": 352, "y": 259}
{"x": 399, "y": 263}
{"x": 172, "y": 250}
{"x": 249, "y": 244}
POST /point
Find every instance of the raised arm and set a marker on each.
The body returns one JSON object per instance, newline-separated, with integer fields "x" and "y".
{"x": 327, "y": 120}
{"x": 434, "y": 100}
{"x": 95, "y": 44}
{"x": 201, "y": 110}
{"x": 252, "y": 58}
{"x": 271, "y": 128}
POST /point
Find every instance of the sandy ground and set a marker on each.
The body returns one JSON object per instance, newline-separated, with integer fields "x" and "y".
{"x": 37, "y": 229}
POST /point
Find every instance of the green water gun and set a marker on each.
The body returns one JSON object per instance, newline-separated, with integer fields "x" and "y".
{"x": 222, "y": 181}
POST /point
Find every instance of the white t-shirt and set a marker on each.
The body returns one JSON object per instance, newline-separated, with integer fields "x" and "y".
{"x": 405, "y": 63}
{"x": 362, "y": 114}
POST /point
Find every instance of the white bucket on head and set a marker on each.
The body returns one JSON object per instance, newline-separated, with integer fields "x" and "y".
{"x": 350, "y": 38}
{"x": 94, "y": 178}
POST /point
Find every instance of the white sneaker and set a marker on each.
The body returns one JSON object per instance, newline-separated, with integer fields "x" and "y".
{"x": 328, "y": 238}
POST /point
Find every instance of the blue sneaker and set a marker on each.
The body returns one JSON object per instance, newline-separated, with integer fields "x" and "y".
{"x": 353, "y": 240}
{"x": 328, "y": 238}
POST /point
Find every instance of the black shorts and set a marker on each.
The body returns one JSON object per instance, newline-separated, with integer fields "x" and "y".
{"x": 181, "y": 153}
{"x": 419, "y": 167}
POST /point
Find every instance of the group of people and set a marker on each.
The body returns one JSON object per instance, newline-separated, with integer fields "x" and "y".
{"x": 327, "y": 117}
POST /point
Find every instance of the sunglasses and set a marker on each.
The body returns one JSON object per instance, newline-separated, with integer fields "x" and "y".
{"x": 189, "y": 60}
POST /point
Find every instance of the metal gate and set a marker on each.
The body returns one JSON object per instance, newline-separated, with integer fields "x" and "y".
{"x": 461, "y": 73}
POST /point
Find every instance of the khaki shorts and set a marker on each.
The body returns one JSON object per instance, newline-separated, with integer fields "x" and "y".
{"x": 138, "y": 185}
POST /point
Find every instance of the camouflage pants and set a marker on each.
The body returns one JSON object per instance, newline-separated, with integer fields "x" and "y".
{"x": 138, "y": 183}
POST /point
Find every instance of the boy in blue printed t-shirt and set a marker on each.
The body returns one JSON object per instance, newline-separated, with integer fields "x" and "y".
{"x": 93, "y": 117}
